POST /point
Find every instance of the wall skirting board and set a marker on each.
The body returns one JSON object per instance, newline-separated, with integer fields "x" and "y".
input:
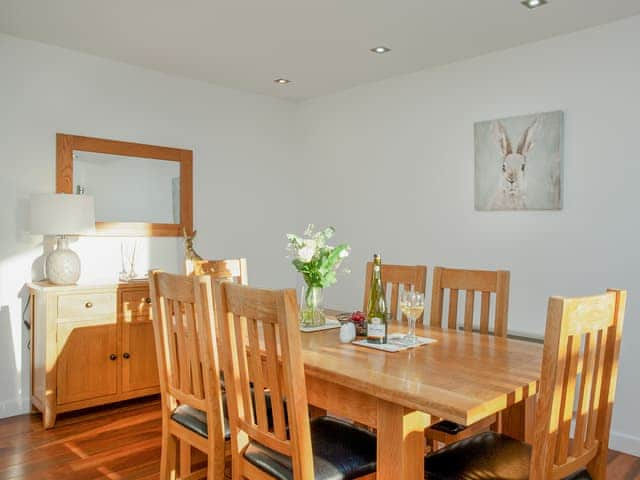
{"x": 16, "y": 406}
{"x": 624, "y": 443}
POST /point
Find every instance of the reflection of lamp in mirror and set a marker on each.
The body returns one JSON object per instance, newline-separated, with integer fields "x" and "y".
{"x": 62, "y": 214}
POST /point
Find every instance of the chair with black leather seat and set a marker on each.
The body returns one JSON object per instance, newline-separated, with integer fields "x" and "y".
{"x": 405, "y": 277}
{"x": 477, "y": 285}
{"x": 579, "y": 367}
{"x": 235, "y": 267}
{"x": 261, "y": 350}
{"x": 192, "y": 403}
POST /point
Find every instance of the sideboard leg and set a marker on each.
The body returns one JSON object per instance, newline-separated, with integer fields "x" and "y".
{"x": 49, "y": 414}
{"x": 48, "y": 419}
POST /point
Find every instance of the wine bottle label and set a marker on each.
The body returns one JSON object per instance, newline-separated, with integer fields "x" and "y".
{"x": 376, "y": 328}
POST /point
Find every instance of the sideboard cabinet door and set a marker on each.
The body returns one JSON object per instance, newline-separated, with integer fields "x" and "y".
{"x": 139, "y": 361}
{"x": 88, "y": 361}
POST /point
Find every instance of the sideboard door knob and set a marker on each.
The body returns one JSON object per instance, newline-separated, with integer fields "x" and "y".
{"x": 147, "y": 300}
{"x": 88, "y": 305}
{"x": 113, "y": 356}
{"x": 125, "y": 355}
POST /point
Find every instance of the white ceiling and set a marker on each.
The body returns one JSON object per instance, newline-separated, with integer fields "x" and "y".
{"x": 321, "y": 45}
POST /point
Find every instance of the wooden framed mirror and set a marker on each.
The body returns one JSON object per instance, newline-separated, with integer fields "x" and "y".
{"x": 139, "y": 189}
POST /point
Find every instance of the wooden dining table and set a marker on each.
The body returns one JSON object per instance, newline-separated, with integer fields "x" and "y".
{"x": 462, "y": 377}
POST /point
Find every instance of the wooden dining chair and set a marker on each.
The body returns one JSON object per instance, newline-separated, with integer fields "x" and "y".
{"x": 235, "y": 267}
{"x": 579, "y": 368}
{"x": 475, "y": 283}
{"x": 398, "y": 277}
{"x": 262, "y": 351}
{"x": 192, "y": 402}
{"x": 472, "y": 282}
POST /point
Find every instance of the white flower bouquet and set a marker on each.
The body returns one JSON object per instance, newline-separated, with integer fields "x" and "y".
{"x": 318, "y": 262}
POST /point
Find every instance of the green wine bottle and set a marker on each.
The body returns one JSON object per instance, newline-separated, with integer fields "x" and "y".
{"x": 377, "y": 307}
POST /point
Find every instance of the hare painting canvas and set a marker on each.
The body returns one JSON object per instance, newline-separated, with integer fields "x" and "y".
{"x": 518, "y": 163}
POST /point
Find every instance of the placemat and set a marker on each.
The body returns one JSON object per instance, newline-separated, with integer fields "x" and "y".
{"x": 393, "y": 344}
{"x": 331, "y": 323}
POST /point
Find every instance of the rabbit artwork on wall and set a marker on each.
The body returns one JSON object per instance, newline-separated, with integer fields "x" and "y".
{"x": 521, "y": 175}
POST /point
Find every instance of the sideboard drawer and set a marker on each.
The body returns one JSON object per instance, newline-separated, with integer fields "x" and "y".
{"x": 86, "y": 304}
{"x": 136, "y": 303}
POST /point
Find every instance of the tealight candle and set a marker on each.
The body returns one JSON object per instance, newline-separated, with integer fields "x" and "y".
{"x": 347, "y": 332}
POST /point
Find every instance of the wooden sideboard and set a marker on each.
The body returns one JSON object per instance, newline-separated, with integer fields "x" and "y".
{"x": 90, "y": 345}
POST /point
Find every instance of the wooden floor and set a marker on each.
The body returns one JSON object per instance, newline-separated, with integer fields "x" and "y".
{"x": 121, "y": 442}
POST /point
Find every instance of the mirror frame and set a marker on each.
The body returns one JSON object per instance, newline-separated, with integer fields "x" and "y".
{"x": 66, "y": 144}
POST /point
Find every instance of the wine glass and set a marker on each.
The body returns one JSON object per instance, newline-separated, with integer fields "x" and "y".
{"x": 412, "y": 305}
{"x": 128, "y": 260}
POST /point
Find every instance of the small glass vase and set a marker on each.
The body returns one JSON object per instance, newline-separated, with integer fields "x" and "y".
{"x": 311, "y": 307}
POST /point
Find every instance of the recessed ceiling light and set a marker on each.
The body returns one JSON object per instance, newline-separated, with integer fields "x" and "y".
{"x": 380, "y": 50}
{"x": 282, "y": 81}
{"x": 531, "y": 4}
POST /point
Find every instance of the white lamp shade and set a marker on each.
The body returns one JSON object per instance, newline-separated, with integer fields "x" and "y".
{"x": 62, "y": 214}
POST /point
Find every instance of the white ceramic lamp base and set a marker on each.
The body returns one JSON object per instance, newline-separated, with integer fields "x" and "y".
{"x": 63, "y": 265}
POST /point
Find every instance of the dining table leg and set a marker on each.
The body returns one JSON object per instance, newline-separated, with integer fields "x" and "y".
{"x": 518, "y": 419}
{"x": 400, "y": 434}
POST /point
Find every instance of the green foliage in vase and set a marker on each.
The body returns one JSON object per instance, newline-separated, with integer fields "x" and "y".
{"x": 317, "y": 261}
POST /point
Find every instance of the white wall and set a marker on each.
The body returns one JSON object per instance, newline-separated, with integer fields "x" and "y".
{"x": 393, "y": 171}
{"x": 241, "y": 144}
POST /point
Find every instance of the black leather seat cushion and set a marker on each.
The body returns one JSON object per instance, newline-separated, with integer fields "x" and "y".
{"x": 196, "y": 420}
{"x": 488, "y": 456}
{"x": 340, "y": 452}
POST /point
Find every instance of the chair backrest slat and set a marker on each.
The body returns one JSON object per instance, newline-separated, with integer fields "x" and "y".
{"x": 262, "y": 350}
{"x": 567, "y": 400}
{"x": 484, "y": 312}
{"x": 184, "y": 332}
{"x": 584, "y": 397}
{"x": 471, "y": 282}
{"x": 273, "y": 377}
{"x": 243, "y": 367}
{"x": 193, "y": 348}
{"x": 168, "y": 336}
{"x": 469, "y": 298}
{"x": 453, "y": 308}
{"x": 596, "y": 386}
{"x": 181, "y": 349}
{"x": 394, "y": 300}
{"x": 259, "y": 384}
{"x": 396, "y": 276}
{"x": 580, "y": 361}
{"x": 502, "y": 303}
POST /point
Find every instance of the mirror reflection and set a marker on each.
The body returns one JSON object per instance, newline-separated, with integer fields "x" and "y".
{"x": 129, "y": 189}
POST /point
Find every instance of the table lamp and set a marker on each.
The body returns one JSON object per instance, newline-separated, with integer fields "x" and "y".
{"x": 62, "y": 214}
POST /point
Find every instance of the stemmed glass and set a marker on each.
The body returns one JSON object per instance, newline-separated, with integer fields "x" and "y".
{"x": 412, "y": 305}
{"x": 128, "y": 259}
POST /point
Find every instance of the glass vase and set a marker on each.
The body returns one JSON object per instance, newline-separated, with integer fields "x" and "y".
{"x": 311, "y": 307}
